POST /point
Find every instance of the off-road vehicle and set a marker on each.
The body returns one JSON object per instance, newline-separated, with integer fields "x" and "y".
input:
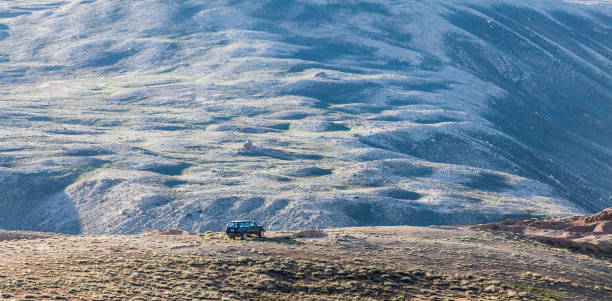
{"x": 243, "y": 229}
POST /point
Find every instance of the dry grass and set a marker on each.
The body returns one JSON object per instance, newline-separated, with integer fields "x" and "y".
{"x": 348, "y": 264}
{"x": 160, "y": 277}
{"x": 309, "y": 234}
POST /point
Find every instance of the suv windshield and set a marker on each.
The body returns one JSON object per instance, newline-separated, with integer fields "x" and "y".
{"x": 232, "y": 225}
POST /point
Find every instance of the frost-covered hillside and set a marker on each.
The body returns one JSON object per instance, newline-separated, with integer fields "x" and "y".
{"x": 126, "y": 116}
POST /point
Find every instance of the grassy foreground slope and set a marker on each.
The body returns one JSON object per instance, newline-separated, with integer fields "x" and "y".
{"x": 347, "y": 263}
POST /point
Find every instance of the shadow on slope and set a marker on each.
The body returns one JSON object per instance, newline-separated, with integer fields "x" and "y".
{"x": 278, "y": 154}
{"x": 25, "y": 193}
{"x": 559, "y": 94}
{"x": 488, "y": 182}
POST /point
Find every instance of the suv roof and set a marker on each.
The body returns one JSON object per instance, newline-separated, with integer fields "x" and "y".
{"x": 241, "y": 221}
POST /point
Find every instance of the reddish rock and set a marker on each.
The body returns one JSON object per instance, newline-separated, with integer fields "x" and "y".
{"x": 589, "y": 232}
{"x": 603, "y": 228}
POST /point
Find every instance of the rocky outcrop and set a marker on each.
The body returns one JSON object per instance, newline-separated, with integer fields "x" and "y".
{"x": 23, "y": 235}
{"x": 589, "y": 232}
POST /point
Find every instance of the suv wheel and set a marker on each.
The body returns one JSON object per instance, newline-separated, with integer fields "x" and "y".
{"x": 244, "y": 236}
{"x": 260, "y": 234}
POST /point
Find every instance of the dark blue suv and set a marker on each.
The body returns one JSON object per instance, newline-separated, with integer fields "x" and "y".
{"x": 243, "y": 229}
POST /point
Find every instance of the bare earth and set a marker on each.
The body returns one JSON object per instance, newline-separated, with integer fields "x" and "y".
{"x": 349, "y": 263}
{"x": 590, "y": 232}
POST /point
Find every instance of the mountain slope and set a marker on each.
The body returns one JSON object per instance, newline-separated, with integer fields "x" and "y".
{"x": 127, "y": 116}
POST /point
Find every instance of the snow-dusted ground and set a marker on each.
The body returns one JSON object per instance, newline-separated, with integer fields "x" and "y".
{"x": 127, "y": 116}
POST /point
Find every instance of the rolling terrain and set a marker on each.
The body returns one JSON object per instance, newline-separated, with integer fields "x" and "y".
{"x": 130, "y": 116}
{"x": 360, "y": 263}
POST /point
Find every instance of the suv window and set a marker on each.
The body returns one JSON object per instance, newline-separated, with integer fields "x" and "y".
{"x": 251, "y": 224}
{"x": 242, "y": 225}
{"x": 232, "y": 225}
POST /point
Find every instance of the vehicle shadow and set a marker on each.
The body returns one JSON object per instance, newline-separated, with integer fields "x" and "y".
{"x": 287, "y": 240}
